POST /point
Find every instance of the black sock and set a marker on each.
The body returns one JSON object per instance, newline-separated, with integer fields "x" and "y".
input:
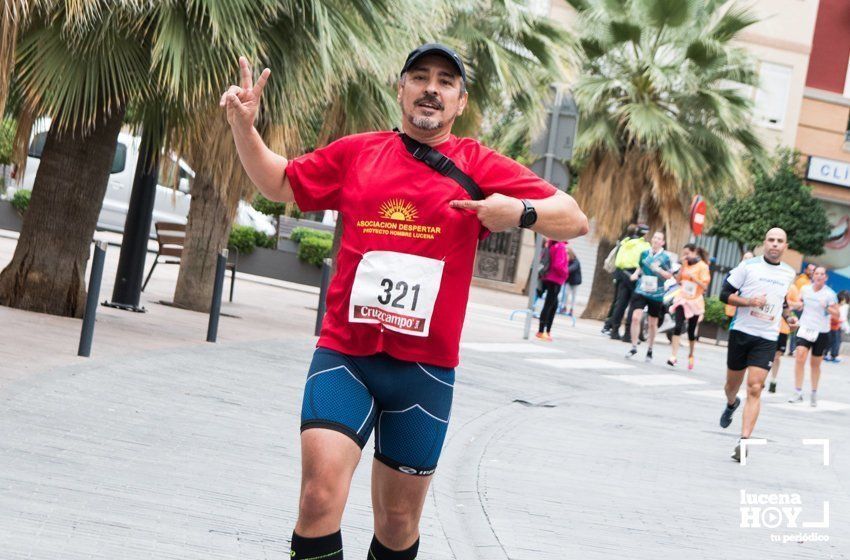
{"x": 328, "y": 547}
{"x": 377, "y": 551}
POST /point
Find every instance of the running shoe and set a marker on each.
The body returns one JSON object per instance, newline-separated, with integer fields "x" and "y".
{"x": 648, "y": 355}
{"x": 690, "y": 362}
{"x": 736, "y": 455}
{"x": 726, "y": 417}
{"x": 671, "y": 361}
{"x": 606, "y": 331}
{"x": 772, "y": 387}
{"x": 798, "y": 397}
{"x": 544, "y": 337}
{"x": 814, "y": 401}
{"x": 632, "y": 353}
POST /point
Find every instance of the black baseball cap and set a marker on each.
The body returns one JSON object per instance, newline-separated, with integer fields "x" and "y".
{"x": 438, "y": 49}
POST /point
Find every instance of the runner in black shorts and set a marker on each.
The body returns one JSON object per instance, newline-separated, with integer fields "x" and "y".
{"x": 757, "y": 287}
{"x": 653, "y": 269}
{"x": 819, "y": 303}
{"x": 793, "y": 303}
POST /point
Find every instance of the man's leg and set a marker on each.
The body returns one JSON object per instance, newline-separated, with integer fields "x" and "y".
{"x": 328, "y": 460}
{"x": 755, "y": 384}
{"x": 634, "y": 330}
{"x": 620, "y": 303}
{"x": 734, "y": 379}
{"x": 397, "y": 500}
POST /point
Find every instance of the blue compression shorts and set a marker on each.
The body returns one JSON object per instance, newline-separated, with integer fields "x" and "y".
{"x": 407, "y": 403}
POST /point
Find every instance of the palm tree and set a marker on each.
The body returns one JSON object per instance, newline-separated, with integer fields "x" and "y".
{"x": 664, "y": 114}
{"x": 84, "y": 65}
{"x": 332, "y": 61}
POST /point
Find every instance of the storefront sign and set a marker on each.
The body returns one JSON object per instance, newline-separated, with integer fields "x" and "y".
{"x": 829, "y": 171}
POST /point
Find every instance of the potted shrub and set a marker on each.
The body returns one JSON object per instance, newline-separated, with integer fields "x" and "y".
{"x": 715, "y": 323}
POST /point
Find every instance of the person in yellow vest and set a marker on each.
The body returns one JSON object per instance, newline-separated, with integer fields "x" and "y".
{"x": 626, "y": 262}
{"x": 794, "y": 303}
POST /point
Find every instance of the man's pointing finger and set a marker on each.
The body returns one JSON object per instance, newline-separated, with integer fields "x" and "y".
{"x": 466, "y": 204}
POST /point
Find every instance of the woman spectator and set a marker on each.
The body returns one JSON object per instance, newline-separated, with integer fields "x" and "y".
{"x": 553, "y": 277}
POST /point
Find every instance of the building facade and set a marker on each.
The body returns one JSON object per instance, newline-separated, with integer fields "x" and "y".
{"x": 823, "y": 133}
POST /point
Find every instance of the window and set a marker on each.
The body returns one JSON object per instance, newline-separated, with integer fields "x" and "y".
{"x": 118, "y": 162}
{"x": 120, "y": 159}
{"x": 37, "y": 145}
{"x": 771, "y": 102}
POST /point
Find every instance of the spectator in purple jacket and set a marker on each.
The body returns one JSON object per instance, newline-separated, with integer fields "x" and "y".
{"x": 555, "y": 272}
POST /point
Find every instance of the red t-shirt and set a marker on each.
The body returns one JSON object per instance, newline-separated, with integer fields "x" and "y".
{"x": 389, "y": 201}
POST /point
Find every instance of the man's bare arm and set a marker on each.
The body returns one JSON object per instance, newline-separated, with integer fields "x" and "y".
{"x": 265, "y": 168}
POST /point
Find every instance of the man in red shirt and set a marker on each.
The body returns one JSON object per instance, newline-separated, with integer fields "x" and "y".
{"x": 395, "y": 306}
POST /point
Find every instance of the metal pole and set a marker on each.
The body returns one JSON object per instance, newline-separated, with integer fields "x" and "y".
{"x": 547, "y": 176}
{"x": 126, "y": 293}
{"x": 218, "y": 288}
{"x": 87, "y": 332}
{"x": 323, "y": 293}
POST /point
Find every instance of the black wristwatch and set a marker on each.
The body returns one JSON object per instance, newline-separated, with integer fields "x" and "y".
{"x": 529, "y": 215}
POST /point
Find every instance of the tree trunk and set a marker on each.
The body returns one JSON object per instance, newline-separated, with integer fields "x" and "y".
{"x": 206, "y": 234}
{"x": 602, "y": 289}
{"x": 48, "y": 268}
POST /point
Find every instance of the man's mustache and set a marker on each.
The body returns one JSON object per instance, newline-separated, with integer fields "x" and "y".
{"x": 429, "y": 99}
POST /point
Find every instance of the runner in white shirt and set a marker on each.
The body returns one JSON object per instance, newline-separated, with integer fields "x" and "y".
{"x": 757, "y": 287}
{"x": 819, "y": 303}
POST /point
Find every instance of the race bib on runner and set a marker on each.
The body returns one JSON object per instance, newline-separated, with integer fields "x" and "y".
{"x": 807, "y": 333}
{"x": 689, "y": 289}
{"x": 649, "y": 283}
{"x": 766, "y": 312}
{"x": 396, "y": 290}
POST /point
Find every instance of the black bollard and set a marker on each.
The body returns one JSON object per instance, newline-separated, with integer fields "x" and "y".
{"x": 218, "y": 288}
{"x": 87, "y": 332}
{"x": 323, "y": 292}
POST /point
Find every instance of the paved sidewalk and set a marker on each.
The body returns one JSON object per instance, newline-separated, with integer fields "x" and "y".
{"x": 162, "y": 446}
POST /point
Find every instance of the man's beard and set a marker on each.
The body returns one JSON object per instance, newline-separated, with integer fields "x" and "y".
{"x": 425, "y": 123}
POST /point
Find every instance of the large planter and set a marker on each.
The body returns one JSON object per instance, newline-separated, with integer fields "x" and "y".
{"x": 9, "y": 217}
{"x": 712, "y": 330}
{"x": 281, "y": 264}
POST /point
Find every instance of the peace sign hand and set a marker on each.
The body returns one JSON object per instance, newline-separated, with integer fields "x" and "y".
{"x": 242, "y": 102}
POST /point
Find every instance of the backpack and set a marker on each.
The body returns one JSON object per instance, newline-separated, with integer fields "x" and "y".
{"x": 610, "y": 264}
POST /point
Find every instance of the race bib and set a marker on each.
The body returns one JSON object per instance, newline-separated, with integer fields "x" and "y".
{"x": 808, "y": 334}
{"x": 396, "y": 290}
{"x": 648, "y": 283}
{"x": 689, "y": 289}
{"x": 766, "y": 312}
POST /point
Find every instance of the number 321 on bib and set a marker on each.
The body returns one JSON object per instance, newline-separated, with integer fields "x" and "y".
{"x": 396, "y": 290}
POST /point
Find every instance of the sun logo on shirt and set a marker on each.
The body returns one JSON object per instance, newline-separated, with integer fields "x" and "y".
{"x": 399, "y": 209}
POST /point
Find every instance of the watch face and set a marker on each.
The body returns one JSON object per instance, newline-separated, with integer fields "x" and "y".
{"x": 529, "y": 216}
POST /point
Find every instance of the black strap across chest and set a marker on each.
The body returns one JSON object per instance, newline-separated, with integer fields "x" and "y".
{"x": 441, "y": 164}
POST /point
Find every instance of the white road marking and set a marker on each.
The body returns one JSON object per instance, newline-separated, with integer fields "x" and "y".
{"x": 510, "y": 348}
{"x": 579, "y": 363}
{"x": 776, "y": 400}
{"x": 658, "y": 379}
